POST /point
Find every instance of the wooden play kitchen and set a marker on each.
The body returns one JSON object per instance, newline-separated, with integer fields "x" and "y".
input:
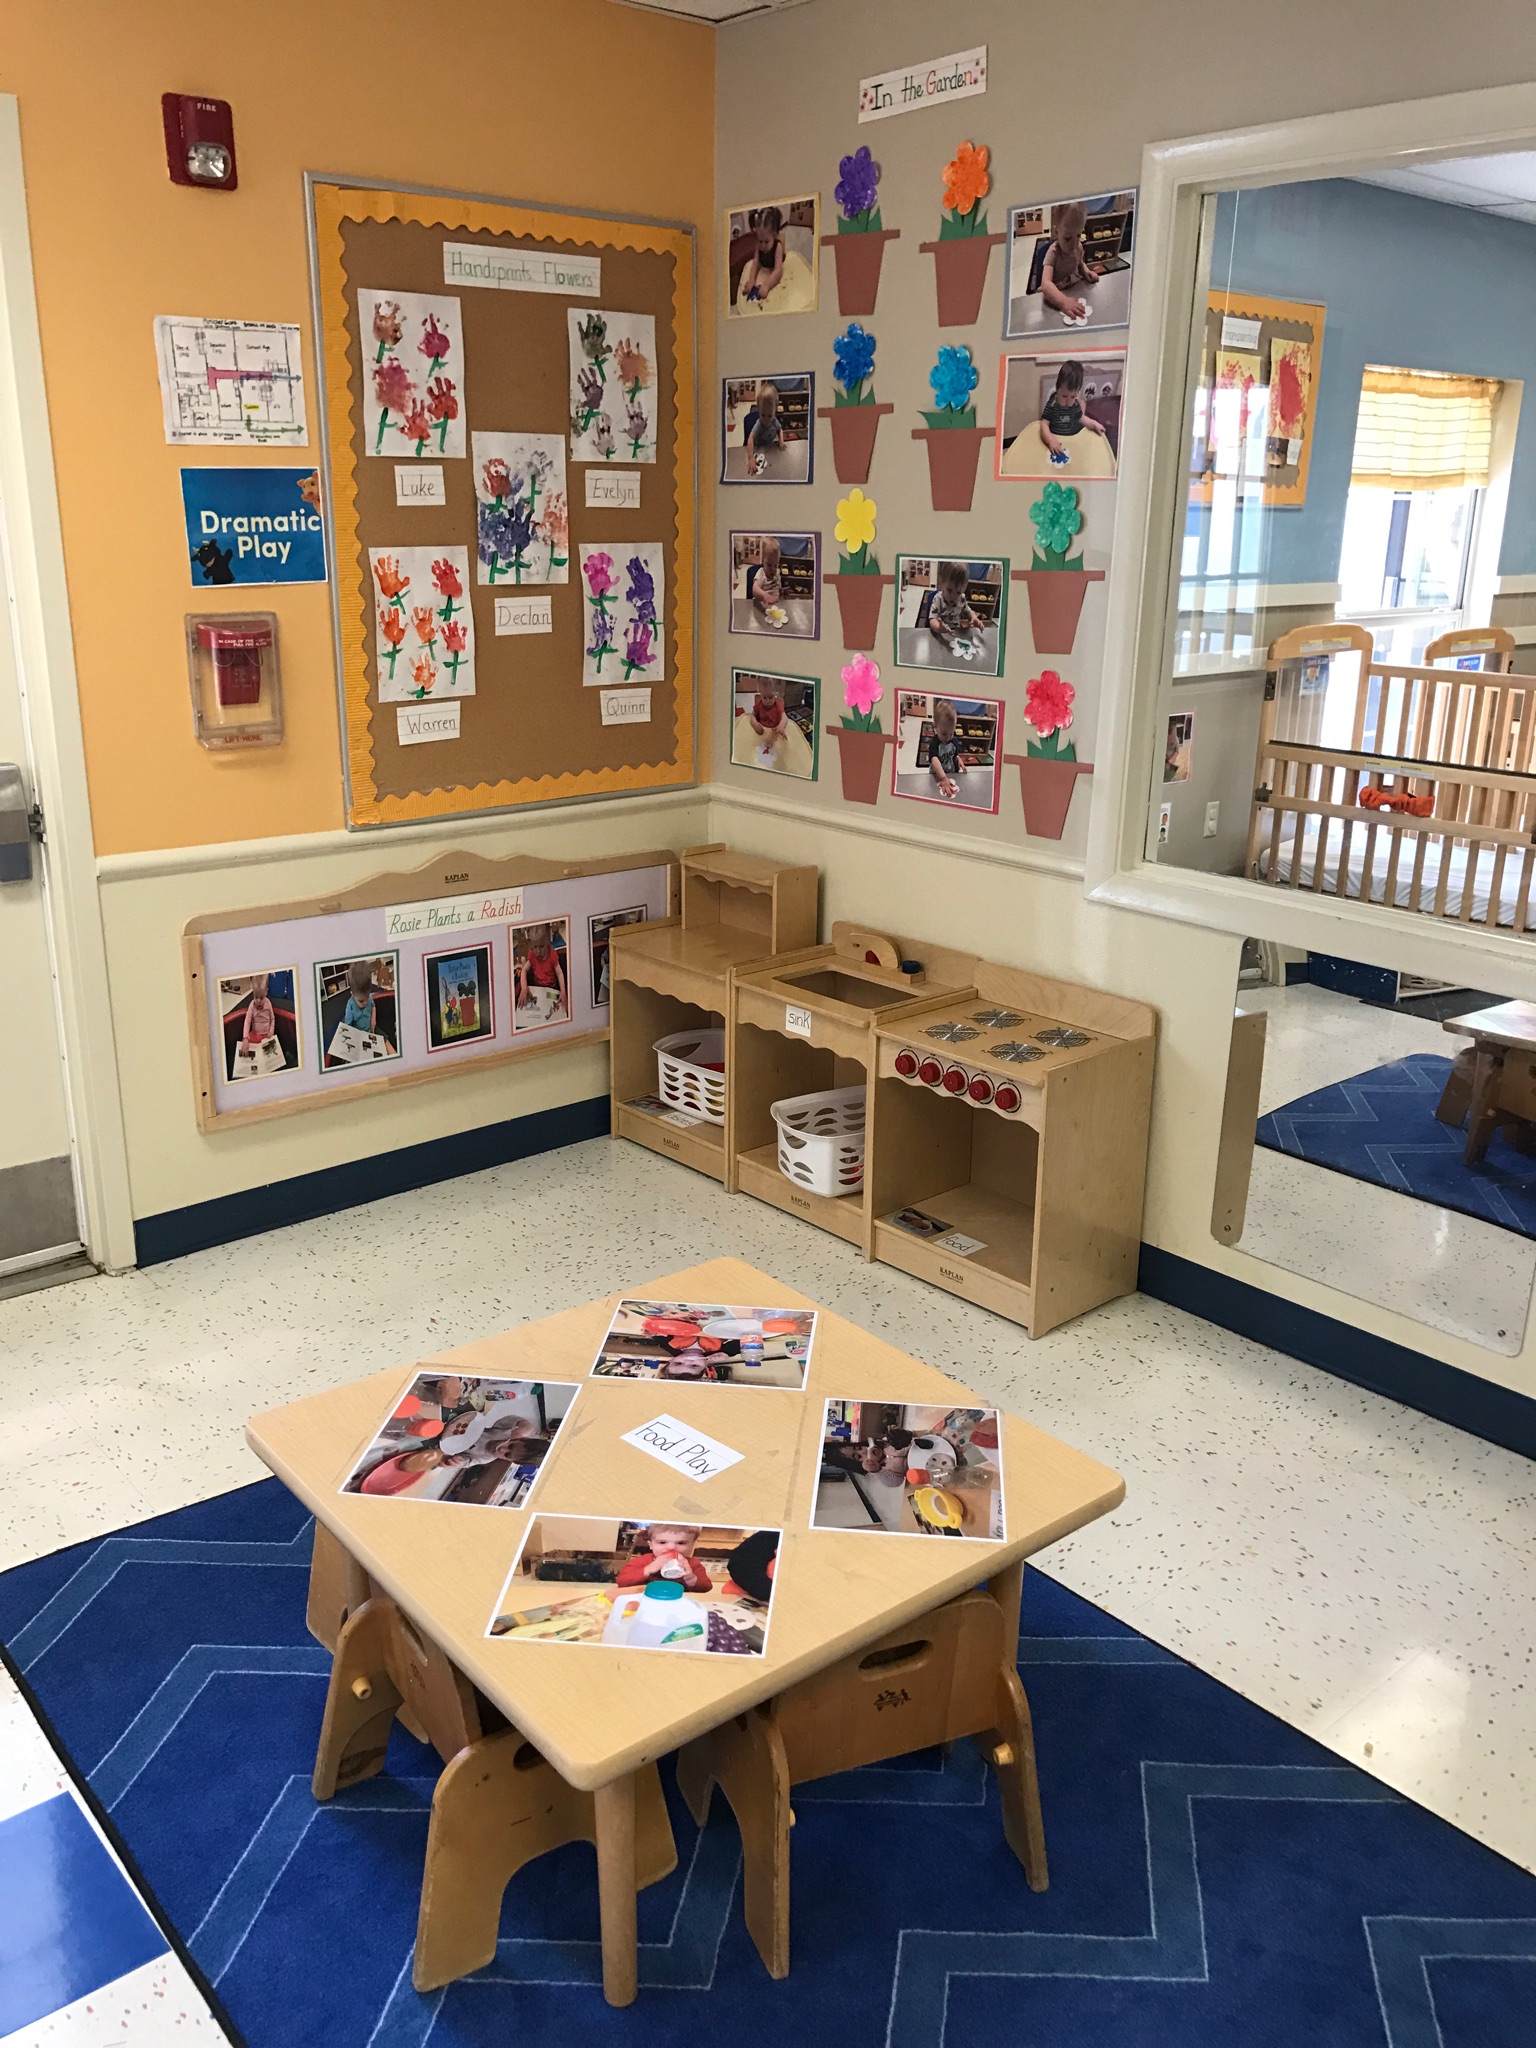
{"x": 851, "y": 1081}
{"x": 546, "y": 1744}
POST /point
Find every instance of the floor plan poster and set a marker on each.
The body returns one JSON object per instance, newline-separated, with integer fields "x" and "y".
{"x": 413, "y": 351}
{"x": 426, "y": 632}
{"x": 624, "y": 641}
{"x": 522, "y": 509}
{"x": 240, "y": 381}
{"x": 613, "y": 386}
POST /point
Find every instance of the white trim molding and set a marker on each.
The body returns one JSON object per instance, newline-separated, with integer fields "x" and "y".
{"x": 1160, "y": 375}
{"x": 961, "y": 846}
{"x": 1523, "y": 585}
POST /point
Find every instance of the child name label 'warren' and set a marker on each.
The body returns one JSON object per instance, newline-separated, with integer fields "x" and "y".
{"x": 417, "y": 724}
{"x": 684, "y": 1449}
{"x": 525, "y": 614}
{"x": 616, "y": 490}
{"x": 420, "y": 484}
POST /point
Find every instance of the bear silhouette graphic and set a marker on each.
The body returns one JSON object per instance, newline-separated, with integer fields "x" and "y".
{"x": 214, "y": 562}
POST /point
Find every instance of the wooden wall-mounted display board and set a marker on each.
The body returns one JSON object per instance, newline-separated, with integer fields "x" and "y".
{"x": 481, "y": 292}
{"x": 406, "y": 978}
{"x": 1246, "y": 337}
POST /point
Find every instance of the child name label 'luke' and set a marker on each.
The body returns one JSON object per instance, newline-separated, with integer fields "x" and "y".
{"x": 525, "y": 614}
{"x": 616, "y": 490}
{"x": 416, "y": 724}
{"x": 797, "y": 1022}
{"x": 522, "y": 270}
{"x": 684, "y": 1449}
{"x": 420, "y": 484}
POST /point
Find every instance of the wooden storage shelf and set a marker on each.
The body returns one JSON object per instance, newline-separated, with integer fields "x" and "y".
{"x": 757, "y": 1173}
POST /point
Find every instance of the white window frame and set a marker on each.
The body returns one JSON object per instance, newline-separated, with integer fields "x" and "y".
{"x": 1159, "y": 388}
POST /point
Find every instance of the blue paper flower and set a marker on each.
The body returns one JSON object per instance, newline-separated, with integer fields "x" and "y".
{"x": 858, "y": 187}
{"x": 853, "y": 355}
{"x": 954, "y": 377}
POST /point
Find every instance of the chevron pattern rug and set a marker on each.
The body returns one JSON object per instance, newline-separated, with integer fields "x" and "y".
{"x": 1217, "y": 1880}
{"x": 1380, "y": 1126}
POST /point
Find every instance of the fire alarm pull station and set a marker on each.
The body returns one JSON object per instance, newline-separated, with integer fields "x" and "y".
{"x": 237, "y": 698}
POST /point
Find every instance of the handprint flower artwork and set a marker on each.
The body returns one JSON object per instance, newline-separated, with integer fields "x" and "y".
{"x": 624, "y": 640}
{"x": 520, "y": 505}
{"x": 413, "y": 384}
{"x": 613, "y": 386}
{"x": 425, "y": 640}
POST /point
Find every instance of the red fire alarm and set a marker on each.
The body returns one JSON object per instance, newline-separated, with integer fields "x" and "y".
{"x": 199, "y": 140}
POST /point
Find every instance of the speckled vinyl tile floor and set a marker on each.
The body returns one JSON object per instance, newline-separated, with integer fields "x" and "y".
{"x": 1357, "y": 1568}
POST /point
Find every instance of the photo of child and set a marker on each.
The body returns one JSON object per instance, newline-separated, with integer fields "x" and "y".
{"x": 1059, "y": 415}
{"x": 765, "y": 431}
{"x": 471, "y": 1441}
{"x": 358, "y": 1011}
{"x": 541, "y": 981}
{"x": 771, "y": 257}
{"x": 947, "y": 749}
{"x": 259, "y": 1019}
{"x": 950, "y": 614}
{"x": 774, "y": 723}
{"x": 776, "y": 584}
{"x": 721, "y": 1342}
{"x": 1069, "y": 263}
{"x": 460, "y": 1006}
{"x": 1179, "y": 747}
{"x": 907, "y": 1470}
{"x": 681, "y": 1586}
{"x": 598, "y": 928}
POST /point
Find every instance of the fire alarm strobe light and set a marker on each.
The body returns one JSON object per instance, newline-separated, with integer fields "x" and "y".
{"x": 199, "y": 140}
{"x": 956, "y": 1081}
{"x": 906, "y": 1064}
{"x": 1006, "y": 1097}
{"x": 931, "y": 1073}
{"x": 980, "y": 1089}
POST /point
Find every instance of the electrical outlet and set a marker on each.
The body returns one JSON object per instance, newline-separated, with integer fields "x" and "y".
{"x": 1164, "y": 820}
{"x": 1212, "y": 819}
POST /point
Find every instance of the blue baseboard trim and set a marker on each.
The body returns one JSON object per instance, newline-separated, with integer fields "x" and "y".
{"x": 176, "y": 1232}
{"x": 1476, "y": 1405}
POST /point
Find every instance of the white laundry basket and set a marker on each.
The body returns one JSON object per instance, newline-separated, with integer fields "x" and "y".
{"x": 685, "y": 1082}
{"x": 821, "y": 1140}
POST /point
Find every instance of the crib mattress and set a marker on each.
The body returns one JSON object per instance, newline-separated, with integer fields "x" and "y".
{"x": 1375, "y": 891}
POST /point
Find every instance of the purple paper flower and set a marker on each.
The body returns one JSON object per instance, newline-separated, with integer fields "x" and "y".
{"x": 857, "y": 190}
{"x": 602, "y": 636}
{"x": 639, "y": 427}
{"x": 590, "y": 384}
{"x": 638, "y": 650}
{"x": 641, "y": 594}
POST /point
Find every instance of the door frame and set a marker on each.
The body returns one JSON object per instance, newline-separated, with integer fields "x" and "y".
{"x": 45, "y": 661}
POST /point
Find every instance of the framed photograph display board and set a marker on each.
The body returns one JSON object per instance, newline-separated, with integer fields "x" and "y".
{"x": 457, "y": 352}
{"x": 404, "y": 978}
{"x": 1256, "y": 395}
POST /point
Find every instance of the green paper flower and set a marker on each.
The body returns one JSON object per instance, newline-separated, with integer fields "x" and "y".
{"x": 1057, "y": 520}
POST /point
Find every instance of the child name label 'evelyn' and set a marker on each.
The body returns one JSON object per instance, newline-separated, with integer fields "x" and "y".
{"x": 522, "y": 270}
{"x": 797, "y": 1022}
{"x": 626, "y": 707}
{"x": 528, "y": 614}
{"x": 416, "y": 724}
{"x": 616, "y": 490}
{"x": 420, "y": 483}
{"x": 684, "y": 1449}
{"x": 453, "y": 913}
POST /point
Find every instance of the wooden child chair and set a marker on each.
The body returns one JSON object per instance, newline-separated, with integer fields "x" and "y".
{"x": 947, "y": 1675}
{"x": 498, "y": 1803}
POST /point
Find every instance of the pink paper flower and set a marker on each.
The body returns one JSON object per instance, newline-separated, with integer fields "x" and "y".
{"x": 1048, "y": 702}
{"x": 392, "y": 385}
{"x": 434, "y": 343}
{"x": 862, "y": 687}
{"x": 598, "y": 570}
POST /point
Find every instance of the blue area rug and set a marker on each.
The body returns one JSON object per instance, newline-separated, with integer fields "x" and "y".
{"x": 1217, "y": 1880}
{"x": 1380, "y": 1126}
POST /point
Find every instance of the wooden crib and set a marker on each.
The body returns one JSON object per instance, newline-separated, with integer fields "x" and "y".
{"x": 1427, "y": 803}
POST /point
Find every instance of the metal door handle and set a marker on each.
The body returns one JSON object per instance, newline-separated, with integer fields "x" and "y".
{"x": 20, "y": 823}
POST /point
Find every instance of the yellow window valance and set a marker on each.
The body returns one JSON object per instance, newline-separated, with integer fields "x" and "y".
{"x": 1420, "y": 430}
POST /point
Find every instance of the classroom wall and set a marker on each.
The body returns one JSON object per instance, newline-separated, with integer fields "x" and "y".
{"x": 1059, "y": 121}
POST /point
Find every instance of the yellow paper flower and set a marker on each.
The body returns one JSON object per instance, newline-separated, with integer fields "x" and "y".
{"x": 855, "y": 526}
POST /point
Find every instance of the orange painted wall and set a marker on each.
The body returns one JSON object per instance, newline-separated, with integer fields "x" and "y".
{"x": 576, "y": 103}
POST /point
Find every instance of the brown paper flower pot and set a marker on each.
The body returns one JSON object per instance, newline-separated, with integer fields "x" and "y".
{"x": 960, "y": 273}
{"x": 863, "y": 761}
{"x": 1056, "y": 605}
{"x": 857, "y": 259}
{"x": 952, "y": 457}
{"x": 1046, "y": 787}
{"x": 858, "y": 599}
{"x": 853, "y": 438}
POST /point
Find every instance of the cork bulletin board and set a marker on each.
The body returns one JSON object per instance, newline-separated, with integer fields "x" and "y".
{"x": 1268, "y": 354}
{"x": 544, "y": 721}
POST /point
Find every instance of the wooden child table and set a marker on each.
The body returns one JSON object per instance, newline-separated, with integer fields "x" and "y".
{"x": 602, "y": 1716}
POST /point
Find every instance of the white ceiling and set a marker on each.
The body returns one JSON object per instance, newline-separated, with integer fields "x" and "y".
{"x": 710, "y": 10}
{"x": 1502, "y": 185}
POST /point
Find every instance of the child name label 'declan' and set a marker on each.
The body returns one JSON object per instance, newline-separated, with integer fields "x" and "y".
{"x": 534, "y": 613}
{"x": 685, "y": 1450}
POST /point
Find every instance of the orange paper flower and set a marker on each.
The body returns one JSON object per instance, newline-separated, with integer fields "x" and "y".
{"x": 424, "y": 673}
{"x": 424, "y": 619}
{"x": 965, "y": 178}
{"x": 392, "y": 626}
{"x": 387, "y": 574}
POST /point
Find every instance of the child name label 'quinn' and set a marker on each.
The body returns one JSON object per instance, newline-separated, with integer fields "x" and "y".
{"x": 684, "y": 1449}
{"x": 626, "y": 707}
{"x": 525, "y": 614}
{"x": 616, "y": 490}
{"x": 797, "y": 1022}
{"x": 420, "y": 483}
{"x": 416, "y": 724}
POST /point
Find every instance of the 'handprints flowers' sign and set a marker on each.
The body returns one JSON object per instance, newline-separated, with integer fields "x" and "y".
{"x": 413, "y": 373}
{"x": 613, "y": 386}
{"x": 425, "y": 631}
{"x": 624, "y": 640}
{"x": 520, "y": 502}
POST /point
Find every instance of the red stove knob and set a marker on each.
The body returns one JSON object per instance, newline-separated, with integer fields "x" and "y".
{"x": 930, "y": 1072}
{"x": 906, "y": 1064}
{"x": 980, "y": 1089}
{"x": 955, "y": 1081}
{"x": 1005, "y": 1097}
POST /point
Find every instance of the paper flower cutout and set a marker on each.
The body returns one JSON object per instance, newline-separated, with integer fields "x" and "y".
{"x": 598, "y": 570}
{"x": 390, "y": 578}
{"x": 633, "y": 366}
{"x": 862, "y": 691}
{"x": 424, "y": 675}
{"x": 434, "y": 344}
{"x": 855, "y": 527}
{"x": 449, "y": 586}
{"x": 387, "y": 329}
{"x": 953, "y": 378}
{"x": 1057, "y": 519}
{"x": 1048, "y": 707}
{"x": 853, "y": 356}
{"x": 857, "y": 190}
{"x": 966, "y": 182}
{"x": 641, "y": 594}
